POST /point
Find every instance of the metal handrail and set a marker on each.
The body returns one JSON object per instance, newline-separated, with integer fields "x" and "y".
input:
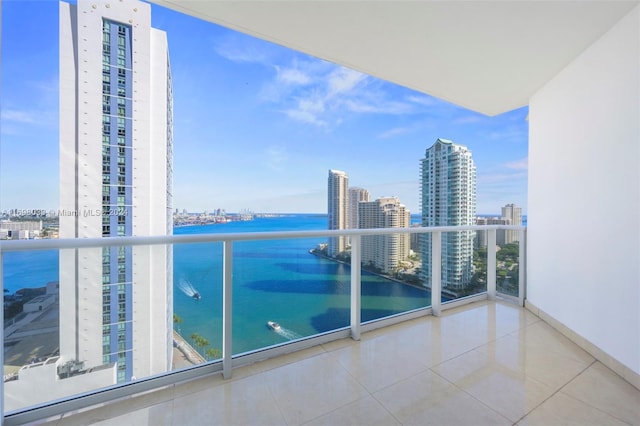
{"x": 74, "y": 243}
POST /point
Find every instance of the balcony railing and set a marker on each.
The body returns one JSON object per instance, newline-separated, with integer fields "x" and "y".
{"x": 100, "y": 381}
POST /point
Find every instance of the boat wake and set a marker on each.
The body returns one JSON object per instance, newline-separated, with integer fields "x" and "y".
{"x": 288, "y": 334}
{"x": 187, "y": 288}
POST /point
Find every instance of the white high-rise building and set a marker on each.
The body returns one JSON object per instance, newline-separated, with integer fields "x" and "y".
{"x": 337, "y": 209}
{"x": 449, "y": 199}
{"x": 356, "y": 196}
{"x": 116, "y": 156}
{"x": 384, "y": 252}
{"x": 514, "y": 214}
{"x": 482, "y": 236}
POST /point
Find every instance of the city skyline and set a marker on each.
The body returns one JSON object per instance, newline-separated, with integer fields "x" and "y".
{"x": 256, "y": 125}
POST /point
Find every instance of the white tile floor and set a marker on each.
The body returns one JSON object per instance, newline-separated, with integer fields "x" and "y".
{"x": 482, "y": 364}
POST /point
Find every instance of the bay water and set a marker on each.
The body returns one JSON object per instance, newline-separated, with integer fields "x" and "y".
{"x": 273, "y": 280}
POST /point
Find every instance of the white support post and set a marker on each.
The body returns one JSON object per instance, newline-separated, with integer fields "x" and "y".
{"x": 522, "y": 256}
{"x": 436, "y": 273}
{"x": 356, "y": 297}
{"x": 227, "y": 309}
{"x": 491, "y": 264}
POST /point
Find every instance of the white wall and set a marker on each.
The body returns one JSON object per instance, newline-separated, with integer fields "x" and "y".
{"x": 584, "y": 194}
{"x": 39, "y": 384}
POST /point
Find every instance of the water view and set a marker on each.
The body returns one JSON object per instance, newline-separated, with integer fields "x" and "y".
{"x": 276, "y": 281}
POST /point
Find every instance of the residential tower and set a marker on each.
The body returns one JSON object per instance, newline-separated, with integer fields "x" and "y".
{"x": 116, "y": 138}
{"x": 448, "y": 176}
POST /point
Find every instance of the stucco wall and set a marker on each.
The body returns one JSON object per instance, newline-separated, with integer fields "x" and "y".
{"x": 584, "y": 194}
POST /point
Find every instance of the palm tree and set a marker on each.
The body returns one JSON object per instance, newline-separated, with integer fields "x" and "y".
{"x": 199, "y": 341}
{"x": 177, "y": 320}
{"x": 202, "y": 342}
{"x": 213, "y": 353}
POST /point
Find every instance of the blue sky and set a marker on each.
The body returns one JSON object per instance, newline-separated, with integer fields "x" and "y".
{"x": 256, "y": 126}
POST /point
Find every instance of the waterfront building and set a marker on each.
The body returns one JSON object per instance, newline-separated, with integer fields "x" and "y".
{"x": 384, "y": 252}
{"x": 28, "y": 225}
{"x": 20, "y": 230}
{"x": 116, "y": 174}
{"x": 514, "y": 214}
{"x": 415, "y": 239}
{"x": 356, "y": 196}
{"x": 448, "y": 177}
{"x": 481, "y": 236}
{"x": 338, "y": 196}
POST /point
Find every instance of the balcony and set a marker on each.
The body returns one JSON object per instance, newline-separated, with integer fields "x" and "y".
{"x": 487, "y": 363}
{"x": 575, "y": 247}
{"x": 483, "y": 352}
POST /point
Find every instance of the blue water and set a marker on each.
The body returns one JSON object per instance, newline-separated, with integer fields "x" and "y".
{"x": 273, "y": 281}
{"x": 278, "y": 281}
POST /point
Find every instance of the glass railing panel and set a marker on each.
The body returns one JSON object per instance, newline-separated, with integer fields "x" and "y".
{"x": 391, "y": 276}
{"x": 464, "y": 270}
{"x": 285, "y": 290}
{"x": 80, "y": 320}
{"x": 31, "y": 332}
{"x": 507, "y": 265}
{"x": 197, "y": 301}
{"x": 101, "y": 319}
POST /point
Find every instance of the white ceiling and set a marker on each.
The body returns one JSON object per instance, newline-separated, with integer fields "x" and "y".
{"x": 488, "y": 56}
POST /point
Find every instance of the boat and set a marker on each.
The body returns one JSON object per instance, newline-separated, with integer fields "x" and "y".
{"x": 273, "y": 325}
{"x": 196, "y": 296}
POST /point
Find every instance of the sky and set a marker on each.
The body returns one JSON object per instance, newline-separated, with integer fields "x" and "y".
{"x": 257, "y": 126}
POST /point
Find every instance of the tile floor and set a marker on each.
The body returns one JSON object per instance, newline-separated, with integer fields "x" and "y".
{"x": 488, "y": 363}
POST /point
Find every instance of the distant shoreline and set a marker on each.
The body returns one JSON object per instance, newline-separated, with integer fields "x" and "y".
{"x": 445, "y": 295}
{"x": 387, "y": 277}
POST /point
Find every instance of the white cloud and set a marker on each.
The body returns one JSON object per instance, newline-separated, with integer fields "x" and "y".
{"x": 36, "y": 104}
{"x": 381, "y": 107}
{"x": 17, "y": 116}
{"x": 320, "y": 93}
{"x": 344, "y": 80}
{"x": 242, "y": 49}
{"x": 312, "y": 105}
{"x": 522, "y": 164}
{"x": 21, "y": 121}
{"x": 467, "y": 119}
{"x": 393, "y": 132}
{"x": 422, "y": 100}
{"x": 292, "y": 76}
{"x": 305, "y": 117}
{"x": 294, "y": 81}
{"x": 340, "y": 90}
{"x": 275, "y": 157}
{"x": 238, "y": 55}
{"x": 510, "y": 133}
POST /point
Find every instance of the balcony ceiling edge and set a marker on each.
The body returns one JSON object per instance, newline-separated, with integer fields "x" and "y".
{"x": 488, "y": 56}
